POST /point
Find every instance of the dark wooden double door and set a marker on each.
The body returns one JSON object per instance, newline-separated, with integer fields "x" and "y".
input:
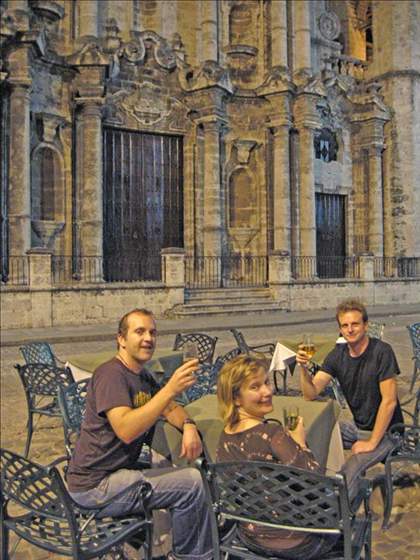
{"x": 330, "y": 235}
{"x": 143, "y": 202}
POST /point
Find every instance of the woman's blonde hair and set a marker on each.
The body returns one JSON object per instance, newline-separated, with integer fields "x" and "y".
{"x": 231, "y": 378}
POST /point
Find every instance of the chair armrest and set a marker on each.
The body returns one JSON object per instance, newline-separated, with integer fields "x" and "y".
{"x": 269, "y": 347}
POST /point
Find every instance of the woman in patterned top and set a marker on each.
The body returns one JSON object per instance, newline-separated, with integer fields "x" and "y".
{"x": 245, "y": 396}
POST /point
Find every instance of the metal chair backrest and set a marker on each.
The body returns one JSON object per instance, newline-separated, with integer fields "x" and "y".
{"x": 38, "y": 353}
{"x": 206, "y": 344}
{"x": 51, "y": 519}
{"x": 40, "y": 379}
{"x": 376, "y": 330}
{"x": 267, "y": 348}
{"x": 414, "y": 332}
{"x": 283, "y": 497}
{"x": 72, "y": 402}
{"x": 220, "y": 361}
{"x": 206, "y": 382}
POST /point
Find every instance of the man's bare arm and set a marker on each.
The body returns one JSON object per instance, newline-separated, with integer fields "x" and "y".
{"x": 129, "y": 423}
{"x": 311, "y": 386}
{"x": 388, "y": 389}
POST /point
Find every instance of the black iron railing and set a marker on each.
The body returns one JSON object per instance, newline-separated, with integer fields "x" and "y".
{"x": 396, "y": 267}
{"x": 15, "y": 270}
{"x": 94, "y": 269}
{"x": 226, "y": 271}
{"x": 325, "y": 267}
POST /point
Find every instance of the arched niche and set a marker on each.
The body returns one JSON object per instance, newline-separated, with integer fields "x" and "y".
{"x": 47, "y": 194}
{"x": 243, "y": 203}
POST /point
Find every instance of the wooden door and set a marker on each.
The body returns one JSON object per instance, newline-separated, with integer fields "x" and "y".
{"x": 143, "y": 202}
{"x": 330, "y": 235}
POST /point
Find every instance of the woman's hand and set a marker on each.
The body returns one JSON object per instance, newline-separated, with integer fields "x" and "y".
{"x": 298, "y": 434}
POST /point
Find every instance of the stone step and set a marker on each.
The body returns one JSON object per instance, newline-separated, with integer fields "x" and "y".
{"x": 190, "y": 310}
{"x": 228, "y": 294}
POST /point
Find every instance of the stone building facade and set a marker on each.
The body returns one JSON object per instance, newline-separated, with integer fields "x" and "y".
{"x": 208, "y": 144}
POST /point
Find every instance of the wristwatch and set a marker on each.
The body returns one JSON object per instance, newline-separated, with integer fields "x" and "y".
{"x": 188, "y": 421}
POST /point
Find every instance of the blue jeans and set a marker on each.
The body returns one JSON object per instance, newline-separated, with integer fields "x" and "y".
{"x": 356, "y": 465}
{"x": 179, "y": 490}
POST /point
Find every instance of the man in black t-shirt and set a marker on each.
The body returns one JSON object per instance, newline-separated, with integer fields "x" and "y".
{"x": 366, "y": 369}
{"x": 123, "y": 404}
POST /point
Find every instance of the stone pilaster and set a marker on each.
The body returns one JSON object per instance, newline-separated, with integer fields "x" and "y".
{"x": 366, "y": 264}
{"x": 302, "y": 36}
{"x": 39, "y": 268}
{"x": 279, "y": 33}
{"x": 19, "y": 167}
{"x": 89, "y": 176}
{"x": 375, "y": 206}
{"x": 209, "y": 30}
{"x": 279, "y": 269}
{"x": 88, "y": 18}
{"x": 281, "y": 188}
{"x": 173, "y": 267}
{"x": 307, "y": 225}
{"x": 212, "y": 226}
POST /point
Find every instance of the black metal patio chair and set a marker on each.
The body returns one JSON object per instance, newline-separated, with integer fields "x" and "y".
{"x": 266, "y": 349}
{"x": 376, "y": 330}
{"x": 39, "y": 353}
{"x": 206, "y": 344}
{"x": 40, "y": 383}
{"x": 220, "y": 361}
{"x": 414, "y": 332}
{"x": 72, "y": 403}
{"x": 49, "y": 519}
{"x": 407, "y": 448}
{"x": 284, "y": 497}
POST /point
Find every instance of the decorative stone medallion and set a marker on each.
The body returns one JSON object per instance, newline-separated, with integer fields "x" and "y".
{"x": 329, "y": 25}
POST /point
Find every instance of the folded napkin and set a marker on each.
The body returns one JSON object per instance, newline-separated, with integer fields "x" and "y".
{"x": 283, "y": 357}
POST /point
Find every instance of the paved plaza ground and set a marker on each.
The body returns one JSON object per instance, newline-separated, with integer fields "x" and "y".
{"x": 402, "y": 540}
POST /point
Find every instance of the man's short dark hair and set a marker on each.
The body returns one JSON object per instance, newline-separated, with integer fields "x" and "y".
{"x": 351, "y": 305}
{"x": 123, "y": 324}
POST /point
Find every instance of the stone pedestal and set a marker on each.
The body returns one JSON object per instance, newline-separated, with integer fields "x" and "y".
{"x": 366, "y": 264}
{"x": 39, "y": 268}
{"x": 279, "y": 270}
{"x": 173, "y": 267}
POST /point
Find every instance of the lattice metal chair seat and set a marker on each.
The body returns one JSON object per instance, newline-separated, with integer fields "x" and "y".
{"x": 39, "y": 353}
{"x": 267, "y": 349}
{"x": 407, "y": 448}
{"x": 49, "y": 519}
{"x": 206, "y": 344}
{"x": 40, "y": 382}
{"x": 414, "y": 332}
{"x": 284, "y": 497}
{"x": 376, "y": 330}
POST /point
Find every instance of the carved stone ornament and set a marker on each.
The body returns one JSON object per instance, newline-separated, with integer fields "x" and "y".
{"x": 329, "y": 25}
{"x": 135, "y": 50}
{"x": 90, "y": 54}
{"x": 209, "y": 74}
{"x": 277, "y": 80}
{"x": 244, "y": 148}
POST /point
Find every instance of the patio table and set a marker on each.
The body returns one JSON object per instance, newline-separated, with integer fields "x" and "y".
{"x": 320, "y": 420}
{"x": 163, "y": 361}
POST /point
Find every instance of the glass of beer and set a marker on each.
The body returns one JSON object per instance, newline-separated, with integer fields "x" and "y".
{"x": 291, "y": 417}
{"x": 189, "y": 352}
{"x": 308, "y": 345}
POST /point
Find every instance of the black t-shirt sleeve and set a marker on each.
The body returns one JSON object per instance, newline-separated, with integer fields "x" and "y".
{"x": 386, "y": 363}
{"x": 330, "y": 364}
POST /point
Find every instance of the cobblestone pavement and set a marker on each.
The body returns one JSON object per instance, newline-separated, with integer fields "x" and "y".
{"x": 401, "y": 540}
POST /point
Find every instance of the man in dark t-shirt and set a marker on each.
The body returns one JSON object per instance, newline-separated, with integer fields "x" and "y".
{"x": 366, "y": 369}
{"x": 123, "y": 404}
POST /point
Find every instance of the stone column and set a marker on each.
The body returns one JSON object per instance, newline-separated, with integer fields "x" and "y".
{"x": 89, "y": 176}
{"x": 279, "y": 33}
{"x": 281, "y": 189}
{"x": 88, "y": 18}
{"x": 212, "y": 226}
{"x": 376, "y": 209}
{"x": 307, "y": 193}
{"x": 302, "y": 35}
{"x": 209, "y": 30}
{"x": 19, "y": 168}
